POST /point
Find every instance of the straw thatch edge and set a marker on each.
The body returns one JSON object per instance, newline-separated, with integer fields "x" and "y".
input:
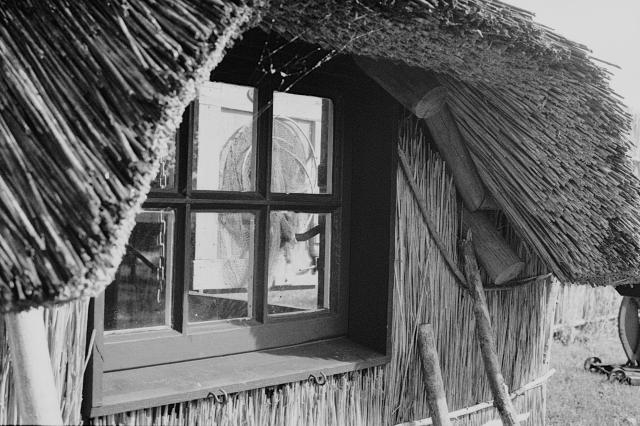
{"x": 100, "y": 271}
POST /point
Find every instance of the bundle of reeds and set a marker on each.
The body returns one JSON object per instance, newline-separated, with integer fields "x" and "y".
{"x": 67, "y": 328}
{"x": 580, "y": 305}
{"x": 90, "y": 93}
{"x": 569, "y": 199}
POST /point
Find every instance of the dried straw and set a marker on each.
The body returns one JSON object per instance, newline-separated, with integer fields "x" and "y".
{"x": 429, "y": 294}
{"x": 66, "y": 327}
{"x": 90, "y": 93}
{"x": 568, "y": 199}
{"x": 579, "y": 305}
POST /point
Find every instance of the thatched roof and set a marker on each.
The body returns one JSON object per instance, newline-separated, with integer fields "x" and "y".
{"x": 90, "y": 91}
{"x": 547, "y": 133}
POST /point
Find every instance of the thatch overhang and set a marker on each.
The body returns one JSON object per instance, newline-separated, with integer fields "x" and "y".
{"x": 548, "y": 135}
{"x": 90, "y": 95}
{"x": 90, "y": 92}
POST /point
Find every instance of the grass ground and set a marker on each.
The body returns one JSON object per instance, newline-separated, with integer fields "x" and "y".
{"x": 577, "y": 397}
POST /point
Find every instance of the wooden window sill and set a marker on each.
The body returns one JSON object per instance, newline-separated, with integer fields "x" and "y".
{"x": 170, "y": 383}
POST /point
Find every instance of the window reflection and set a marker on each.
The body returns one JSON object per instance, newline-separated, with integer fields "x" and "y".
{"x": 224, "y": 140}
{"x": 140, "y": 295}
{"x": 301, "y": 144}
{"x": 222, "y": 278}
{"x": 298, "y": 262}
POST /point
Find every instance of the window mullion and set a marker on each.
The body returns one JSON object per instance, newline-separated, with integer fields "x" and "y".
{"x": 263, "y": 128}
{"x": 263, "y": 117}
{"x": 183, "y": 274}
{"x": 260, "y": 278}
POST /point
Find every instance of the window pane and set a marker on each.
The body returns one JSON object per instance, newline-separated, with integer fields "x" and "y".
{"x": 140, "y": 295}
{"x": 298, "y": 261}
{"x": 166, "y": 178}
{"x": 224, "y": 139}
{"x": 302, "y": 144}
{"x": 222, "y": 279}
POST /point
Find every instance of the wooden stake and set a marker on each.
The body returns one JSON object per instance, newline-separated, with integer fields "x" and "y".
{"x": 552, "y": 300}
{"x": 485, "y": 336}
{"x": 36, "y": 391}
{"x": 436, "y": 397}
{"x": 494, "y": 253}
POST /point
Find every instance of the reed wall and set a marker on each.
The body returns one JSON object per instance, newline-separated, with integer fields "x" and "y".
{"x": 424, "y": 291}
{"x": 581, "y": 304}
{"x": 67, "y": 327}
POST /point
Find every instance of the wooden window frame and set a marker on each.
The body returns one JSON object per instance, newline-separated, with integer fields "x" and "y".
{"x": 187, "y": 341}
{"x": 363, "y": 187}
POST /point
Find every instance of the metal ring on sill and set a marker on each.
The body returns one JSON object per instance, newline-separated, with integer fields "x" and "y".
{"x": 320, "y": 381}
{"x": 219, "y": 398}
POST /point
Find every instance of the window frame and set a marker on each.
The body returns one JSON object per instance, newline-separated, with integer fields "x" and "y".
{"x": 184, "y": 341}
{"x": 366, "y": 151}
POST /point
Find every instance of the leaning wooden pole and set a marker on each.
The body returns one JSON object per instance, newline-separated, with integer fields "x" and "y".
{"x": 485, "y": 336}
{"x": 436, "y": 397}
{"x": 36, "y": 391}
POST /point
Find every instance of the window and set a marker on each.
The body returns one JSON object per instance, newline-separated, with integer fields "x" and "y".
{"x": 267, "y": 230}
{"x": 240, "y": 235}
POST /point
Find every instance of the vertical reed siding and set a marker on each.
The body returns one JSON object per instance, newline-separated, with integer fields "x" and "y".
{"x": 581, "y": 304}
{"x": 425, "y": 291}
{"x": 67, "y": 328}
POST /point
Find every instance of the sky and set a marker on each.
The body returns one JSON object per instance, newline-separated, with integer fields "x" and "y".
{"x": 610, "y": 28}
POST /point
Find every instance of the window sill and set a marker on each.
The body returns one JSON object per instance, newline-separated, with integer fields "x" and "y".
{"x": 165, "y": 384}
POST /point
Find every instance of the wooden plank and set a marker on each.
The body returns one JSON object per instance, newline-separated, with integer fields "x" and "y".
{"x": 416, "y": 89}
{"x": 371, "y": 135}
{"x": 32, "y": 373}
{"x": 486, "y": 339}
{"x": 170, "y": 383}
{"x": 436, "y": 397}
{"x": 494, "y": 253}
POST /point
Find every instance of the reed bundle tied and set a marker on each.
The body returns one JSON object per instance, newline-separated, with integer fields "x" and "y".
{"x": 90, "y": 92}
{"x": 547, "y": 131}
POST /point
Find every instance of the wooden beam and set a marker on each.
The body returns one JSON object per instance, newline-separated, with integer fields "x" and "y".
{"x": 452, "y": 147}
{"x": 420, "y": 92}
{"x": 36, "y": 392}
{"x": 436, "y": 397}
{"x": 415, "y": 88}
{"x": 485, "y": 337}
{"x": 494, "y": 253}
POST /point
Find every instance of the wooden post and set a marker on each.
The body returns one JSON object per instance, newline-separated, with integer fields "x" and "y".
{"x": 36, "y": 391}
{"x": 494, "y": 253}
{"x": 420, "y": 92}
{"x": 485, "y": 337}
{"x": 436, "y": 397}
{"x": 552, "y": 299}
